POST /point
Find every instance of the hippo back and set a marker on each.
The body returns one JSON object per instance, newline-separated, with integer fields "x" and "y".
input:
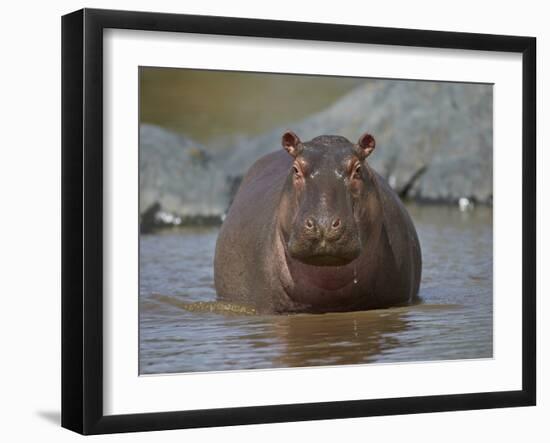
{"x": 400, "y": 233}
{"x": 247, "y": 230}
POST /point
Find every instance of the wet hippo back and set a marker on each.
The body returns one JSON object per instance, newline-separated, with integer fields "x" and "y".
{"x": 317, "y": 230}
{"x": 242, "y": 248}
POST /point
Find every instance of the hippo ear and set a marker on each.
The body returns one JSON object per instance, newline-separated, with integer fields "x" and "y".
{"x": 292, "y": 143}
{"x": 365, "y": 145}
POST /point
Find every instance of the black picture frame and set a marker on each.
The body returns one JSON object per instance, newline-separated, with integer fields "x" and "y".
{"x": 82, "y": 220}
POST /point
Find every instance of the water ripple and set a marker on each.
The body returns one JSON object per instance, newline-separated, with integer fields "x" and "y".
{"x": 182, "y": 329}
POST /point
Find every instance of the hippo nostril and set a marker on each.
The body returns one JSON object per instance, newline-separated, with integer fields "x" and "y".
{"x": 336, "y": 223}
{"x": 309, "y": 223}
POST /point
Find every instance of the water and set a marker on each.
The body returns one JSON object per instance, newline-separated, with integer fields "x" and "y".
{"x": 454, "y": 320}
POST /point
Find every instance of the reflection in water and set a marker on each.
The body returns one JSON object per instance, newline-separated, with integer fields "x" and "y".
{"x": 335, "y": 339}
{"x": 183, "y": 328}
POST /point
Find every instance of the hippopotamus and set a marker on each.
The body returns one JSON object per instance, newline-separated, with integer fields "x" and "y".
{"x": 313, "y": 228}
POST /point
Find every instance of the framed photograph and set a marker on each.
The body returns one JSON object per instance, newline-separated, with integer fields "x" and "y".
{"x": 269, "y": 221}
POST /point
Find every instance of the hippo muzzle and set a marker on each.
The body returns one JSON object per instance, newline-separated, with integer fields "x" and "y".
{"x": 325, "y": 241}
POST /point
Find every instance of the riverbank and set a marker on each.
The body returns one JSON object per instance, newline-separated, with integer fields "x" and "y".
{"x": 434, "y": 146}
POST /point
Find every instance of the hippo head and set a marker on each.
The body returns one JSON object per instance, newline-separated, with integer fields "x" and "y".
{"x": 324, "y": 199}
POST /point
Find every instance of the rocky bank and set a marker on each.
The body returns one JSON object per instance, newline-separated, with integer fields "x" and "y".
{"x": 434, "y": 144}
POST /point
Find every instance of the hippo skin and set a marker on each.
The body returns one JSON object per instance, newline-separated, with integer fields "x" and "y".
{"x": 313, "y": 228}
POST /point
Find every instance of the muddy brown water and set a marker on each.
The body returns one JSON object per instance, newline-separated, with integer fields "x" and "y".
{"x": 183, "y": 329}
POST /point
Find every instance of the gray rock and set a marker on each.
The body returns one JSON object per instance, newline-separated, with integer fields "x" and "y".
{"x": 177, "y": 176}
{"x": 434, "y": 140}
